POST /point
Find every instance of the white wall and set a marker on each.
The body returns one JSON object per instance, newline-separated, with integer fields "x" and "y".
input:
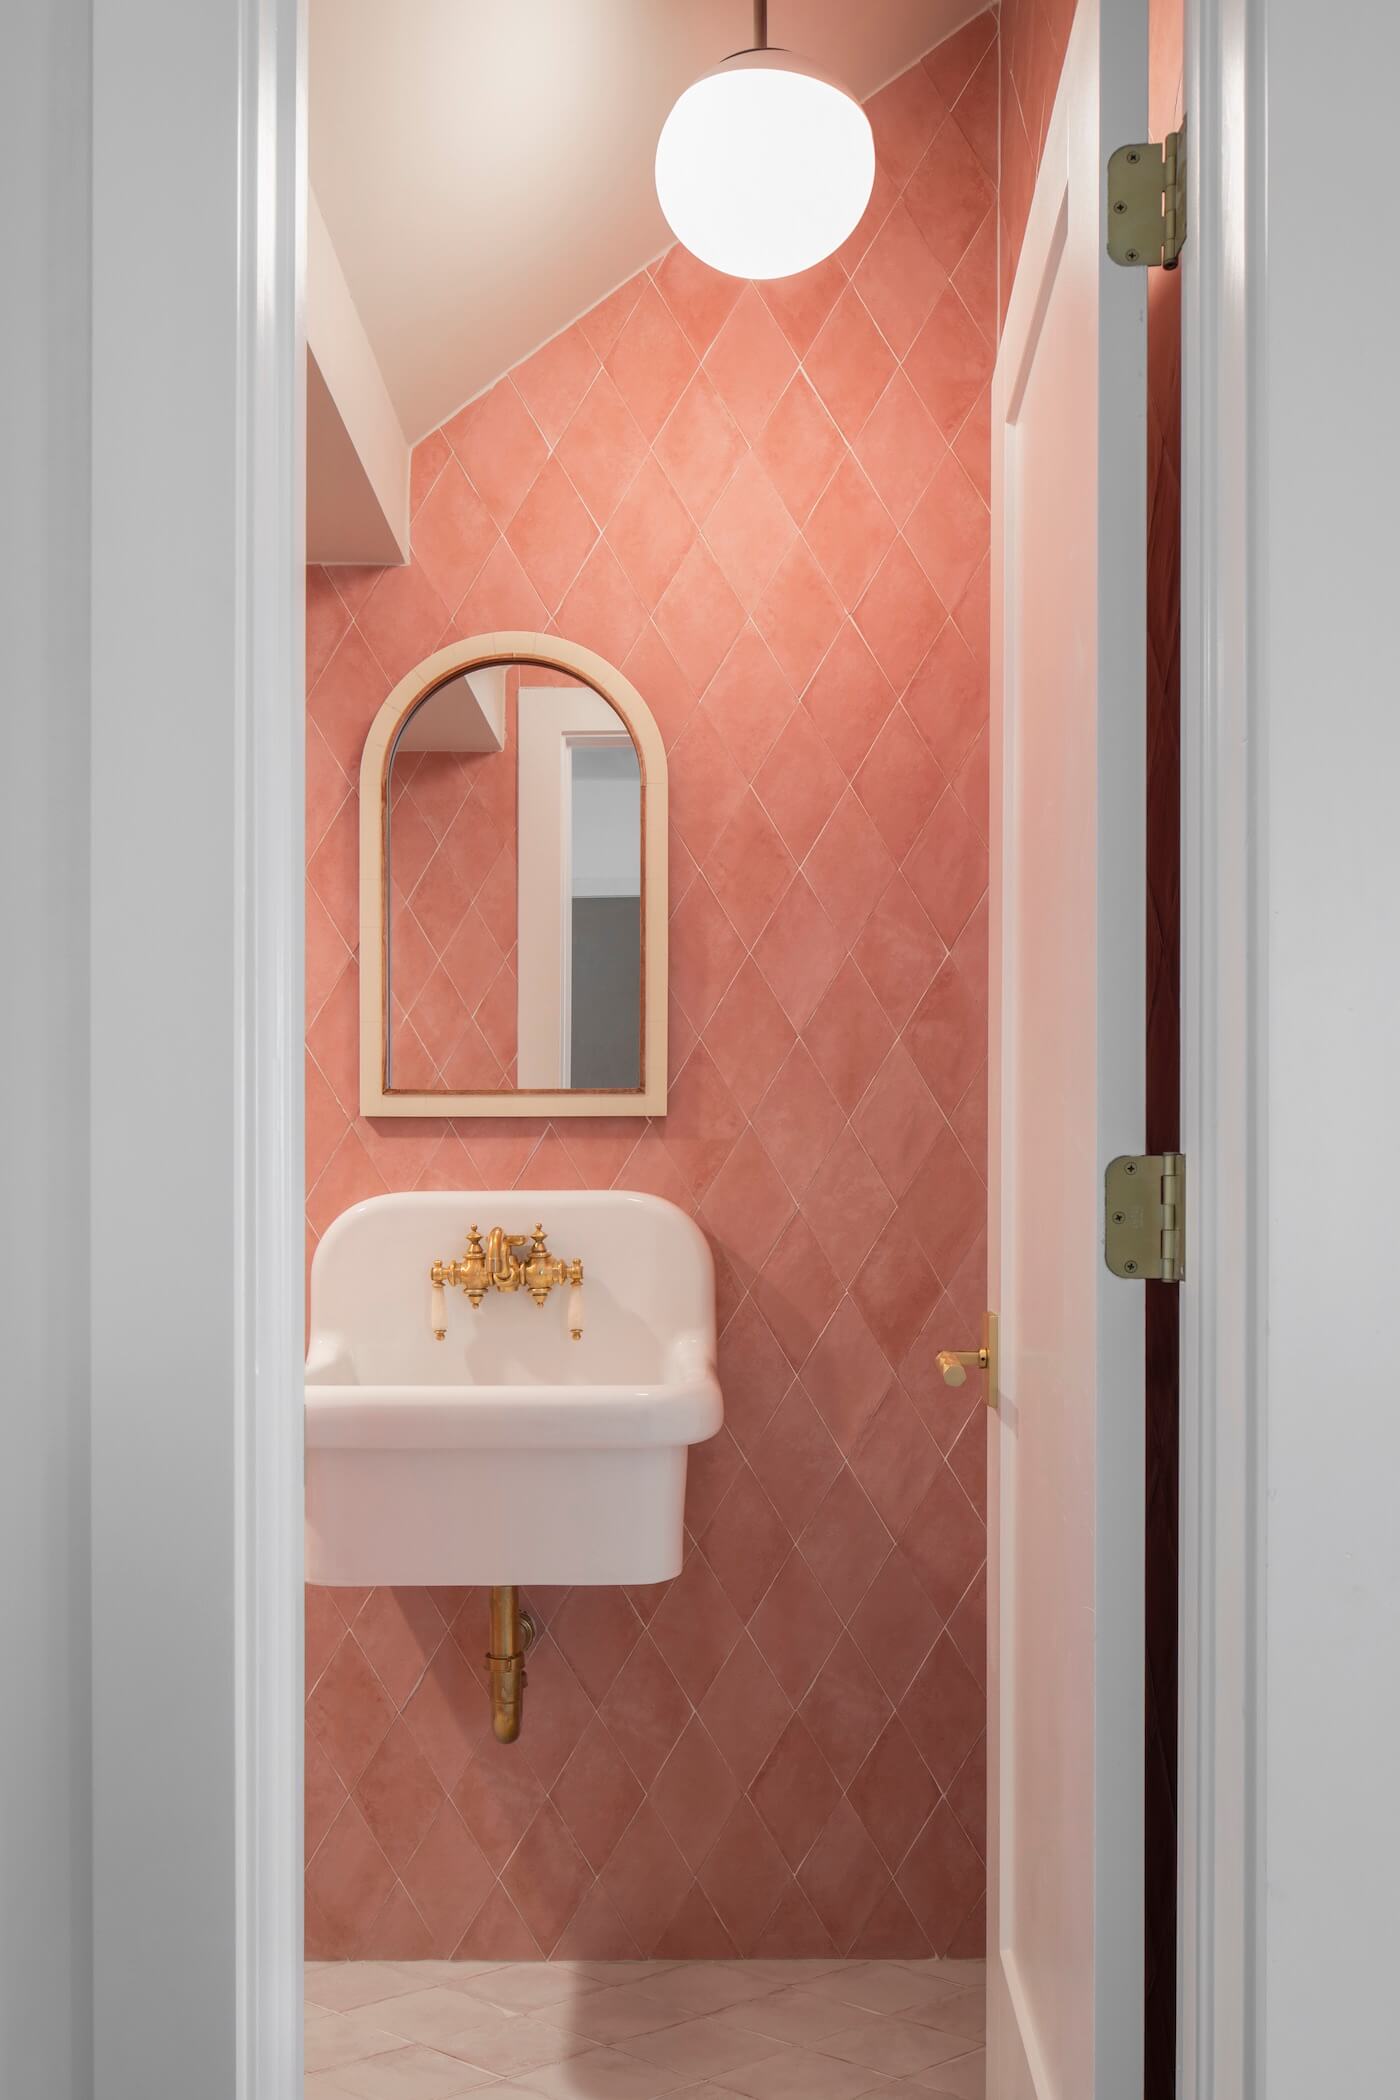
{"x": 606, "y": 824}
{"x": 1326, "y": 759}
{"x": 45, "y": 1871}
{"x": 357, "y": 460}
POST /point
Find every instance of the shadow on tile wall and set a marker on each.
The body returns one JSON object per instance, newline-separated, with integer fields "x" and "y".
{"x": 1034, "y": 34}
{"x": 769, "y": 506}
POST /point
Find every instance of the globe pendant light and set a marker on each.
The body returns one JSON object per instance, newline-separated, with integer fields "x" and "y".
{"x": 765, "y": 165}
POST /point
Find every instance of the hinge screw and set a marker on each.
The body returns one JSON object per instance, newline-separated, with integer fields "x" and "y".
{"x": 1134, "y": 157}
{"x": 1119, "y": 1217}
{"x": 1130, "y": 1268}
{"x": 1120, "y": 207}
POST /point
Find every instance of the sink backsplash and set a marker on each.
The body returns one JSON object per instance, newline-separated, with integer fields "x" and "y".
{"x": 370, "y": 1307}
{"x": 782, "y": 1751}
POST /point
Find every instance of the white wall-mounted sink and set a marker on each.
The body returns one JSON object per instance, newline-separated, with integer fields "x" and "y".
{"x": 507, "y": 1453}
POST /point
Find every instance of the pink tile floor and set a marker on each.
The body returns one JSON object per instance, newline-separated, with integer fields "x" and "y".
{"x": 586, "y": 2030}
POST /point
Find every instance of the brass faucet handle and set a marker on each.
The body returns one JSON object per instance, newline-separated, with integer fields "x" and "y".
{"x": 471, "y": 1269}
{"x": 542, "y": 1270}
{"x": 440, "y": 1274}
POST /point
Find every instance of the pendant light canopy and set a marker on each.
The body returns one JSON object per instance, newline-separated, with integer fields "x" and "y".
{"x": 765, "y": 165}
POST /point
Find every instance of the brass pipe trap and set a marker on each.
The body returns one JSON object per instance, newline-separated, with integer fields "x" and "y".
{"x": 512, "y": 1631}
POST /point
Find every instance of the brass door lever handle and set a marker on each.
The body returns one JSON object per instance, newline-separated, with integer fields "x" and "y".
{"x": 954, "y": 1364}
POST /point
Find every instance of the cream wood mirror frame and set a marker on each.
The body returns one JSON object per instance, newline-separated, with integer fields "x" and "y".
{"x": 551, "y": 652}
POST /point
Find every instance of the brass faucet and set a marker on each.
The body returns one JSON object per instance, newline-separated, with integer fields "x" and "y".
{"x": 503, "y": 1268}
{"x": 497, "y": 1267}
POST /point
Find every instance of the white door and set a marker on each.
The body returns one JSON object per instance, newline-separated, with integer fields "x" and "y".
{"x": 1066, "y": 1538}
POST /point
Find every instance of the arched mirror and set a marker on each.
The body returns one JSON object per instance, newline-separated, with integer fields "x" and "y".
{"x": 513, "y": 888}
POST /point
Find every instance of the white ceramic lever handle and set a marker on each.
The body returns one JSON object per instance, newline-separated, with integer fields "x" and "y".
{"x": 576, "y": 1311}
{"x": 439, "y": 1313}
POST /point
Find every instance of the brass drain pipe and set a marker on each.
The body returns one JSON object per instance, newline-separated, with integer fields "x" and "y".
{"x": 512, "y": 1631}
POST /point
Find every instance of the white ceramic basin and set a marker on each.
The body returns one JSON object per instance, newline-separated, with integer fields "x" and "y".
{"x": 508, "y": 1452}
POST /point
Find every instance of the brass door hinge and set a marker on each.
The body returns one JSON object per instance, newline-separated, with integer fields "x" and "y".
{"x": 1144, "y": 1233}
{"x": 1147, "y": 203}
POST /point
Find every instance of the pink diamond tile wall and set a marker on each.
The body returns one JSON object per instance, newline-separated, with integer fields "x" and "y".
{"x": 768, "y": 504}
{"x": 1034, "y": 34}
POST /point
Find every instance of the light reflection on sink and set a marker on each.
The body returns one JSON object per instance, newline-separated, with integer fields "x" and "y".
{"x": 507, "y": 1453}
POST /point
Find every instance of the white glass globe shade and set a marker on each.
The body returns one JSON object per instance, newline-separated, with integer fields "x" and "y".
{"x": 764, "y": 166}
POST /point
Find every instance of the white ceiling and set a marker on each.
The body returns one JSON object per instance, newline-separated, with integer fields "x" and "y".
{"x": 485, "y": 166}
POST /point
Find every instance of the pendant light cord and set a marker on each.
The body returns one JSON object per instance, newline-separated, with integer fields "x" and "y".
{"x": 760, "y": 25}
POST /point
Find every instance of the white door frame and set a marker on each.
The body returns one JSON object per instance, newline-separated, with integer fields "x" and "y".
{"x": 1219, "y": 1054}
{"x": 1290, "y": 1366}
{"x": 195, "y": 1259}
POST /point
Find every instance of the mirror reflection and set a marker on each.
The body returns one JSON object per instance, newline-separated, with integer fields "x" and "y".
{"x": 513, "y": 859}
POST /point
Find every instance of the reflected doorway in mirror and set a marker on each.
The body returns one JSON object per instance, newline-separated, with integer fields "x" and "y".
{"x": 513, "y": 888}
{"x": 579, "y": 923}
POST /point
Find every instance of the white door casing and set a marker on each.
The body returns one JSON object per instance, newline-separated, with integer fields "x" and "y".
{"x": 193, "y": 1259}
{"x": 1066, "y": 1493}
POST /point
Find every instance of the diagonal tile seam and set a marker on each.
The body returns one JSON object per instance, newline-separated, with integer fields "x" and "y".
{"x": 752, "y": 943}
{"x": 938, "y": 1797}
{"x": 650, "y": 270}
{"x": 552, "y": 1131}
{"x": 448, "y": 1628}
{"x": 751, "y": 956}
{"x": 800, "y": 366}
{"x": 601, "y": 523}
